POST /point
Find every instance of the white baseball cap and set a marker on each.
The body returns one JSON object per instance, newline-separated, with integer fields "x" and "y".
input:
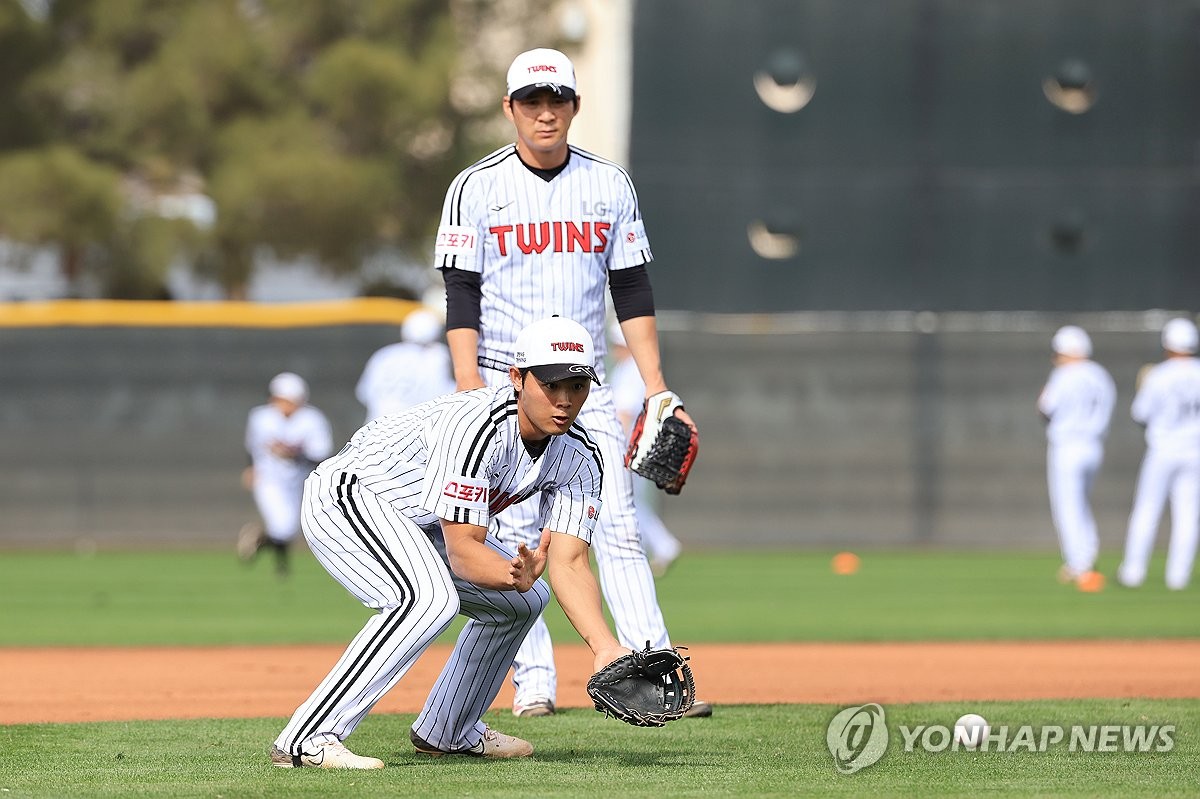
{"x": 289, "y": 386}
{"x": 541, "y": 69}
{"x": 421, "y": 327}
{"x": 1179, "y": 335}
{"x": 555, "y": 349}
{"x": 1072, "y": 341}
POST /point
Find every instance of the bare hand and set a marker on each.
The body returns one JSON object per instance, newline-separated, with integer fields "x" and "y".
{"x": 607, "y": 655}
{"x": 529, "y": 565}
{"x": 281, "y": 449}
{"x": 682, "y": 414}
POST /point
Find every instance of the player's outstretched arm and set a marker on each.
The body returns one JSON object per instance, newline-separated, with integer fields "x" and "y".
{"x": 578, "y": 594}
{"x": 475, "y": 562}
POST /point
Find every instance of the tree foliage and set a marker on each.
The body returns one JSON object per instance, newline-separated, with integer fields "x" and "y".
{"x": 317, "y": 127}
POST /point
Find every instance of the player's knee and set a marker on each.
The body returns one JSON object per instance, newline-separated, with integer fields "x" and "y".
{"x": 437, "y": 600}
{"x": 541, "y": 595}
{"x": 531, "y": 603}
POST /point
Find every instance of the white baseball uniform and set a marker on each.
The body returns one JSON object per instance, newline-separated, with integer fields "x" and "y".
{"x": 279, "y": 478}
{"x": 629, "y": 395}
{"x": 372, "y": 518}
{"x": 401, "y": 375}
{"x": 1078, "y": 403}
{"x": 1168, "y": 404}
{"x": 546, "y": 247}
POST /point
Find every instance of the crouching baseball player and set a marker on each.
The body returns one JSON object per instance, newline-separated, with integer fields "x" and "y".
{"x": 400, "y": 517}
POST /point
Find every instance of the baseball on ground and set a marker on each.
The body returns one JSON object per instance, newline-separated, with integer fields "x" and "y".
{"x": 970, "y": 730}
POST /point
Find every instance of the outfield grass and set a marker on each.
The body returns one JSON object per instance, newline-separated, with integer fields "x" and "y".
{"x": 744, "y": 596}
{"x": 754, "y": 751}
{"x": 198, "y": 598}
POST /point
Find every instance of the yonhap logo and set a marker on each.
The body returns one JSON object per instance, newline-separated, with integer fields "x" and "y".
{"x": 857, "y": 737}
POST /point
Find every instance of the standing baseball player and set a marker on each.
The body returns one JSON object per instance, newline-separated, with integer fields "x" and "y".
{"x": 400, "y": 517}
{"x": 1077, "y": 404}
{"x": 411, "y": 371}
{"x": 629, "y": 395}
{"x": 285, "y": 438}
{"x": 1167, "y": 403}
{"x": 541, "y": 227}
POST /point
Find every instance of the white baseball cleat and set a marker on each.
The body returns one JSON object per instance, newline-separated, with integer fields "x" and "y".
{"x": 250, "y": 539}
{"x": 660, "y": 566}
{"x": 332, "y": 754}
{"x": 534, "y": 709}
{"x": 492, "y": 744}
{"x": 1127, "y": 578}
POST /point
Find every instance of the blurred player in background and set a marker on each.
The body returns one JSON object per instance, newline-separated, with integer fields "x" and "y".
{"x": 629, "y": 394}
{"x": 285, "y": 439}
{"x": 1167, "y": 403}
{"x": 401, "y": 375}
{"x": 536, "y": 228}
{"x": 1077, "y": 404}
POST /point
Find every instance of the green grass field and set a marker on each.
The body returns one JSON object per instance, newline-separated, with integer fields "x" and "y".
{"x": 199, "y": 598}
{"x": 209, "y": 598}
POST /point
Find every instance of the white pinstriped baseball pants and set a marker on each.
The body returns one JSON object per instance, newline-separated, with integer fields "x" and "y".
{"x": 391, "y": 565}
{"x": 625, "y": 576}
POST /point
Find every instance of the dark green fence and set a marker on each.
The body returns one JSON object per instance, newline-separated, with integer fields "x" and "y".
{"x": 816, "y": 429}
{"x": 930, "y": 169}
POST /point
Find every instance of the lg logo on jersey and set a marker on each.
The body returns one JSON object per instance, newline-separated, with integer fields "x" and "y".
{"x": 539, "y": 237}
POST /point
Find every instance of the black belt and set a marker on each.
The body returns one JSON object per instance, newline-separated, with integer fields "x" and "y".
{"x": 492, "y": 363}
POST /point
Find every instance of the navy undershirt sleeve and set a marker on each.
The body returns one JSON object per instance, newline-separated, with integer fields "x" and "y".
{"x": 463, "y": 294}
{"x": 631, "y": 293}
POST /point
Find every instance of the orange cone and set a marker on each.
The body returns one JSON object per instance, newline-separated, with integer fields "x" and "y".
{"x": 845, "y": 563}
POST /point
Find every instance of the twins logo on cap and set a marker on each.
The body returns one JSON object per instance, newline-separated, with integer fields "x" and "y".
{"x": 556, "y": 349}
{"x": 541, "y": 69}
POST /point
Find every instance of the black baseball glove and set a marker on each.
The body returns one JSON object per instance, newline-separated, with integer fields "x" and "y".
{"x": 662, "y": 447}
{"x": 645, "y": 689}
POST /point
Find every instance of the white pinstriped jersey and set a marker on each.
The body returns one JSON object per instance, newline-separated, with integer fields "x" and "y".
{"x": 460, "y": 457}
{"x": 543, "y": 247}
{"x": 1168, "y": 403}
{"x": 1078, "y": 400}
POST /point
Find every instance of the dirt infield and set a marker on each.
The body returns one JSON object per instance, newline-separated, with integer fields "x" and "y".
{"x": 111, "y": 684}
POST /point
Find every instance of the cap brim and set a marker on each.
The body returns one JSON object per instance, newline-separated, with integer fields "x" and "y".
{"x": 558, "y": 372}
{"x": 520, "y": 94}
